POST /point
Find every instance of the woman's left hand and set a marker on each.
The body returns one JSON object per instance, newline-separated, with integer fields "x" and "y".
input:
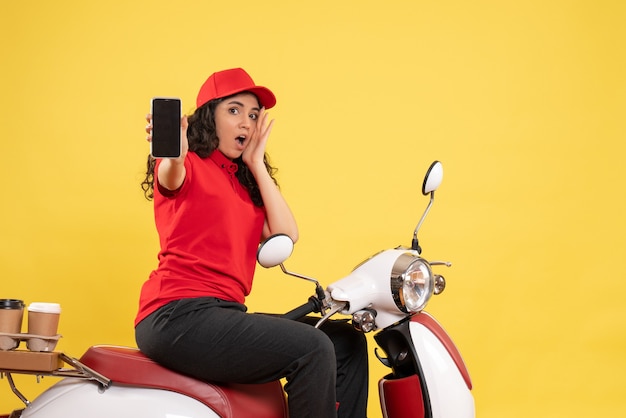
{"x": 255, "y": 151}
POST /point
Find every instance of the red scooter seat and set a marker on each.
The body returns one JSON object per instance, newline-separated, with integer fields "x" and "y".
{"x": 129, "y": 366}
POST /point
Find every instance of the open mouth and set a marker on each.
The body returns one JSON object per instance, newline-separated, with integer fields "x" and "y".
{"x": 241, "y": 139}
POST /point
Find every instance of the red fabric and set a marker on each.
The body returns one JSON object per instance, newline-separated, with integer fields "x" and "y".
{"x": 203, "y": 226}
{"x": 129, "y": 366}
{"x": 401, "y": 398}
{"x": 434, "y": 327}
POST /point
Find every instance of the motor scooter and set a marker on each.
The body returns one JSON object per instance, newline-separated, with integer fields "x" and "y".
{"x": 386, "y": 293}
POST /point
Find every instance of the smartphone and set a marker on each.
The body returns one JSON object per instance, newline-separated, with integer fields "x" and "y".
{"x": 166, "y": 114}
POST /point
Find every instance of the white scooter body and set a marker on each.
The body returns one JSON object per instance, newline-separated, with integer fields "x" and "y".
{"x": 445, "y": 384}
{"x": 73, "y": 398}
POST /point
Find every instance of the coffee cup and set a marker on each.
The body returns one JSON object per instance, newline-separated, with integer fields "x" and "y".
{"x": 11, "y": 314}
{"x": 43, "y": 318}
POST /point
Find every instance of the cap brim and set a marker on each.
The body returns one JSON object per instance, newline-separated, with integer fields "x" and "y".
{"x": 265, "y": 96}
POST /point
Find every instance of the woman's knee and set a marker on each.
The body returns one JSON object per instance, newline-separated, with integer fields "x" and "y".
{"x": 321, "y": 345}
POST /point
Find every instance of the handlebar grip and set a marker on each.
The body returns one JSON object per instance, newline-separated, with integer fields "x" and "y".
{"x": 313, "y": 305}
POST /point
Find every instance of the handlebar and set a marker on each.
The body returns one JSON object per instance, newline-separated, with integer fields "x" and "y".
{"x": 313, "y": 305}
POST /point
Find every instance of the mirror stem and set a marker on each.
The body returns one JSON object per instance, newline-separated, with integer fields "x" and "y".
{"x": 319, "y": 290}
{"x": 300, "y": 276}
{"x": 415, "y": 244}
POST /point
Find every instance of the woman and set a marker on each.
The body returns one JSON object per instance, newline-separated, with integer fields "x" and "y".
{"x": 213, "y": 205}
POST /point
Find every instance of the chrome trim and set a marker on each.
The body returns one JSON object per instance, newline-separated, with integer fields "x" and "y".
{"x": 398, "y": 272}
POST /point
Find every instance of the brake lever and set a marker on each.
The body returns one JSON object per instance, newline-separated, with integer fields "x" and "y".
{"x": 333, "y": 310}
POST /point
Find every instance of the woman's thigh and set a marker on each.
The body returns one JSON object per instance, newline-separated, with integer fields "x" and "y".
{"x": 219, "y": 341}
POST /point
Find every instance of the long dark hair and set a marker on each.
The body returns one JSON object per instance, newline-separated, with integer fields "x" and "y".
{"x": 203, "y": 140}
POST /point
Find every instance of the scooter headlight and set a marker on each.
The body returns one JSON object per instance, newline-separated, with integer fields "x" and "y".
{"x": 412, "y": 283}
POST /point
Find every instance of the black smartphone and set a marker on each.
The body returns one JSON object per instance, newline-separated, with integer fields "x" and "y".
{"x": 166, "y": 114}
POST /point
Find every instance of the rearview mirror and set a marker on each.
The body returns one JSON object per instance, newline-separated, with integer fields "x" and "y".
{"x": 433, "y": 178}
{"x": 274, "y": 250}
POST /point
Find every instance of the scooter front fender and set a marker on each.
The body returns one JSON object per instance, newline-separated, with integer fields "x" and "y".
{"x": 445, "y": 374}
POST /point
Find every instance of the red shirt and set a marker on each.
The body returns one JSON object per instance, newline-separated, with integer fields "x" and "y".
{"x": 209, "y": 231}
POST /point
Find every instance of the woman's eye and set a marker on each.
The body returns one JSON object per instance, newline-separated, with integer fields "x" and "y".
{"x": 254, "y": 116}
{"x": 233, "y": 110}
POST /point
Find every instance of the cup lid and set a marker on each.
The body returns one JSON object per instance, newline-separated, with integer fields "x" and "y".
{"x": 44, "y": 307}
{"x": 11, "y": 304}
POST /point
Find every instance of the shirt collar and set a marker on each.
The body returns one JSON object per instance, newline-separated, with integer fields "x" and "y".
{"x": 223, "y": 162}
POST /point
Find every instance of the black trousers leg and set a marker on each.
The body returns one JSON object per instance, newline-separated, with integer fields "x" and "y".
{"x": 218, "y": 341}
{"x": 352, "y": 367}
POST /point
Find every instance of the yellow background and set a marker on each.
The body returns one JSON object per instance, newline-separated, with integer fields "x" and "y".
{"x": 522, "y": 101}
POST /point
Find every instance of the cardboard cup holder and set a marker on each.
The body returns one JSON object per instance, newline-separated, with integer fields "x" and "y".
{"x": 39, "y": 343}
{"x": 43, "y": 323}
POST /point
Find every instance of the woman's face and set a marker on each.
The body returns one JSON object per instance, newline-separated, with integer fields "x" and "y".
{"x": 235, "y": 123}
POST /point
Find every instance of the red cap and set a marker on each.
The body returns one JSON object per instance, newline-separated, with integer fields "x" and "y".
{"x": 228, "y": 82}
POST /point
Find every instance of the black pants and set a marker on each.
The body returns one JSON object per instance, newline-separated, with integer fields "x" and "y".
{"x": 218, "y": 341}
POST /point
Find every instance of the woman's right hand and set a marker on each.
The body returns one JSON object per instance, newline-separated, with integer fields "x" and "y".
{"x": 171, "y": 172}
{"x": 183, "y": 135}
